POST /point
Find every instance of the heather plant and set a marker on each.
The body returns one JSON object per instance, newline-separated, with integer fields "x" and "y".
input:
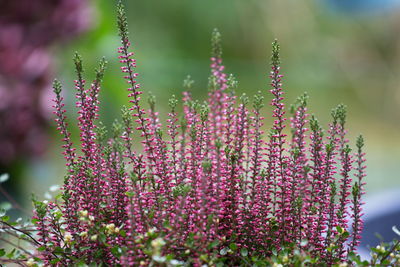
{"x": 208, "y": 187}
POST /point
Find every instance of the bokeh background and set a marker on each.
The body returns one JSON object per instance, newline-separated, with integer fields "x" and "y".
{"x": 339, "y": 51}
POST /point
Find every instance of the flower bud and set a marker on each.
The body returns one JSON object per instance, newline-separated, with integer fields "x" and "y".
{"x": 67, "y": 237}
{"x": 30, "y": 262}
{"x": 93, "y": 238}
{"x": 83, "y": 213}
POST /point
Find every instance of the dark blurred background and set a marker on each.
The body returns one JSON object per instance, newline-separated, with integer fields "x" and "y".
{"x": 339, "y": 51}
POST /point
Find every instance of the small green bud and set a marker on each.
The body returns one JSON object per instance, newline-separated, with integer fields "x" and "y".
{"x": 231, "y": 84}
{"x": 275, "y": 58}
{"x": 173, "y": 103}
{"x": 347, "y": 149}
{"x": 302, "y": 100}
{"x": 218, "y": 144}
{"x": 339, "y": 114}
{"x": 152, "y": 101}
{"x": 212, "y": 83}
{"x": 258, "y": 101}
{"x": 204, "y": 112}
{"x": 295, "y": 152}
{"x": 101, "y": 132}
{"x": 78, "y": 64}
{"x": 100, "y": 70}
{"x": 227, "y": 151}
{"x": 194, "y": 104}
{"x": 333, "y": 189}
{"x": 360, "y": 142}
{"x": 57, "y": 87}
{"x": 329, "y": 148}
{"x": 188, "y": 83}
{"x": 355, "y": 190}
{"x": 244, "y": 99}
{"x": 116, "y": 129}
{"x": 216, "y": 44}
{"x": 122, "y": 22}
{"x": 159, "y": 133}
{"x": 314, "y": 124}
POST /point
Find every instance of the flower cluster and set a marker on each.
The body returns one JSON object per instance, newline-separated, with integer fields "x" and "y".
{"x": 208, "y": 188}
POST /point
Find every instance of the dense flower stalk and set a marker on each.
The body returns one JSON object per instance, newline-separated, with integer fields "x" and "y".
{"x": 357, "y": 192}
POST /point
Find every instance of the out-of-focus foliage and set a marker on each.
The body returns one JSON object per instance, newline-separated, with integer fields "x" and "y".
{"x": 27, "y": 31}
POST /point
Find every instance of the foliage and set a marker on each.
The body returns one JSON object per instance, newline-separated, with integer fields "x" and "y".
{"x": 207, "y": 189}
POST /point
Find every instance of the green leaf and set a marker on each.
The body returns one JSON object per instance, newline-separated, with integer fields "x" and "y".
{"x": 213, "y": 244}
{"x": 166, "y": 224}
{"x": 233, "y": 246}
{"x": 102, "y": 238}
{"x": 58, "y": 250}
{"x": 55, "y": 261}
{"x": 339, "y": 229}
{"x": 204, "y": 257}
{"x": 122, "y": 233}
{"x": 244, "y": 252}
{"x": 169, "y": 257}
{"x": 345, "y": 234}
{"x": 11, "y": 254}
{"x": 2, "y": 252}
{"x": 42, "y": 248}
{"x": 116, "y": 251}
{"x": 5, "y": 218}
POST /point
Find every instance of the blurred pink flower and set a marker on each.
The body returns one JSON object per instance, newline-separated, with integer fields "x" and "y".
{"x": 27, "y": 30}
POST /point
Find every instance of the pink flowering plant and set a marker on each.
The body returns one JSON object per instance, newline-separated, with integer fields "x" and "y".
{"x": 209, "y": 187}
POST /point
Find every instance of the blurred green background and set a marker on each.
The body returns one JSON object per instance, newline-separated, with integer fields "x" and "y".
{"x": 337, "y": 57}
